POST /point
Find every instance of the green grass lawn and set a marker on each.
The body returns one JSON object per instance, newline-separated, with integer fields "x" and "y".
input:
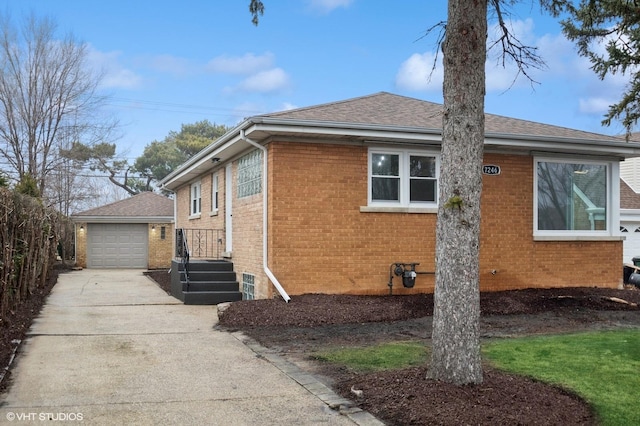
{"x": 601, "y": 367}
{"x": 386, "y": 356}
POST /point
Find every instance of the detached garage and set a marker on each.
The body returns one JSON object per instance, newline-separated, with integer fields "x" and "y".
{"x": 135, "y": 233}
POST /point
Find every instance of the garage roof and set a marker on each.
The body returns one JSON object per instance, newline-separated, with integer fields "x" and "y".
{"x": 628, "y": 198}
{"x": 145, "y": 207}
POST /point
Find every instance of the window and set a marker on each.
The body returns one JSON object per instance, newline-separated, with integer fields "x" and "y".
{"x": 403, "y": 178}
{"x": 214, "y": 193}
{"x": 250, "y": 174}
{"x": 196, "y": 199}
{"x": 571, "y": 197}
{"x": 248, "y": 286}
{"x": 163, "y": 232}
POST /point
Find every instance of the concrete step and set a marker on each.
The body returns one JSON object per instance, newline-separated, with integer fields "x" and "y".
{"x": 211, "y": 297}
{"x": 211, "y": 286}
{"x": 209, "y": 276}
{"x": 203, "y": 265}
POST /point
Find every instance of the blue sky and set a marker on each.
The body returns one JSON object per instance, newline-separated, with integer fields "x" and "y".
{"x": 167, "y": 62}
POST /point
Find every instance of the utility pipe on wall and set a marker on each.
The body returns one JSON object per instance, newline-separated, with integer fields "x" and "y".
{"x": 265, "y": 175}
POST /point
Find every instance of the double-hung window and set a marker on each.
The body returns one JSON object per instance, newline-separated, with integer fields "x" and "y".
{"x": 214, "y": 193}
{"x": 195, "y": 206}
{"x": 403, "y": 178}
{"x": 572, "y": 198}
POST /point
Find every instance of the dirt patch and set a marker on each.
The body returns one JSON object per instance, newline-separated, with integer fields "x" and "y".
{"x": 311, "y": 323}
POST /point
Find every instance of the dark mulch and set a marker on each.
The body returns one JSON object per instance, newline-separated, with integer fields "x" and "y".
{"x": 15, "y": 326}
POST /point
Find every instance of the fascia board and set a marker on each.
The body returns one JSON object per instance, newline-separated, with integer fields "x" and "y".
{"x": 204, "y": 155}
{"x": 255, "y": 126}
{"x": 629, "y": 215}
{"x": 567, "y": 145}
{"x": 122, "y": 219}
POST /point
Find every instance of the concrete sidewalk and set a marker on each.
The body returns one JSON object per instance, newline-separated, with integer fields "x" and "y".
{"x": 111, "y": 348}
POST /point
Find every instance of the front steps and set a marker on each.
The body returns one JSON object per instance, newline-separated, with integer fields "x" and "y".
{"x": 210, "y": 282}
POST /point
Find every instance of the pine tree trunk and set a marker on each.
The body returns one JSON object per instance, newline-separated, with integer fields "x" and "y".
{"x": 456, "y": 341}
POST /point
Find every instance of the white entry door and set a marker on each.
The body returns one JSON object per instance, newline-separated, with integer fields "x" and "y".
{"x": 228, "y": 202}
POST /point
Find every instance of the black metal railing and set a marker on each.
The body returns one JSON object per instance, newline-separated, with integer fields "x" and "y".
{"x": 203, "y": 243}
{"x": 182, "y": 251}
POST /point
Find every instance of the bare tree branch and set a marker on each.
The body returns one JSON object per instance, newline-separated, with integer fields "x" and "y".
{"x": 512, "y": 49}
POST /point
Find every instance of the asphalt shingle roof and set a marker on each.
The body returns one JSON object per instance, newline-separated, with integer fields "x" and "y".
{"x": 144, "y": 204}
{"x": 629, "y": 199}
{"x": 388, "y": 109}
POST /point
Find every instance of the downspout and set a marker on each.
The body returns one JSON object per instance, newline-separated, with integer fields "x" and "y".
{"x": 265, "y": 199}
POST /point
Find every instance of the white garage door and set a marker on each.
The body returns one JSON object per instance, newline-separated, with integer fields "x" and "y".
{"x": 114, "y": 245}
{"x": 631, "y": 231}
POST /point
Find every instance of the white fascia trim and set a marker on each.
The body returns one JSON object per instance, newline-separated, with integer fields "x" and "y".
{"x": 122, "y": 219}
{"x": 204, "y": 155}
{"x": 407, "y": 134}
{"x": 549, "y": 145}
{"x": 629, "y": 215}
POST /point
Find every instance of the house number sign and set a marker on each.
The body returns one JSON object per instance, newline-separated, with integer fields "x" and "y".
{"x": 490, "y": 169}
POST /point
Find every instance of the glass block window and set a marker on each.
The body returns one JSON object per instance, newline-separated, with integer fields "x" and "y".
{"x": 250, "y": 174}
{"x": 248, "y": 286}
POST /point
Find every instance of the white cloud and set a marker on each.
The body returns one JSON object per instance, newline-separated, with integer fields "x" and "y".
{"x": 418, "y": 73}
{"x": 288, "y": 106}
{"x": 241, "y": 65}
{"x": 595, "y": 105}
{"x": 171, "y": 64}
{"x": 272, "y": 80}
{"x": 115, "y": 75}
{"x": 327, "y": 6}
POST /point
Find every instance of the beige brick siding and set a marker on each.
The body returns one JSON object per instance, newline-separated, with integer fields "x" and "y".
{"x": 81, "y": 245}
{"x": 321, "y": 242}
{"x": 247, "y": 225}
{"x": 160, "y": 250}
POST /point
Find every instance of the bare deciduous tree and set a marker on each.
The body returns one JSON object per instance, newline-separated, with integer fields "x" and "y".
{"x": 46, "y": 88}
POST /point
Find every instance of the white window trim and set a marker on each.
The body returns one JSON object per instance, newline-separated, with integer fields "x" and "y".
{"x": 192, "y": 213}
{"x": 612, "y": 208}
{"x": 404, "y": 205}
{"x": 215, "y": 194}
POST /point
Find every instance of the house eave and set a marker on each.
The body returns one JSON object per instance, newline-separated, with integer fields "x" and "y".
{"x": 261, "y": 128}
{"x": 630, "y": 215}
{"x": 122, "y": 219}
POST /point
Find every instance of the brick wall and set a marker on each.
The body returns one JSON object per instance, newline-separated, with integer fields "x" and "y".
{"x": 160, "y": 249}
{"x": 247, "y": 224}
{"x": 320, "y": 241}
{"x": 81, "y": 245}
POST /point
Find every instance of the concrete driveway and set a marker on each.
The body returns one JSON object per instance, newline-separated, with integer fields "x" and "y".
{"x": 111, "y": 348}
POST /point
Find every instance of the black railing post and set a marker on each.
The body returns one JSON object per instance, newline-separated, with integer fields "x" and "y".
{"x": 182, "y": 247}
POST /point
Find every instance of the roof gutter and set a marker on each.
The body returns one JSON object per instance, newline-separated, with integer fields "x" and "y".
{"x": 265, "y": 256}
